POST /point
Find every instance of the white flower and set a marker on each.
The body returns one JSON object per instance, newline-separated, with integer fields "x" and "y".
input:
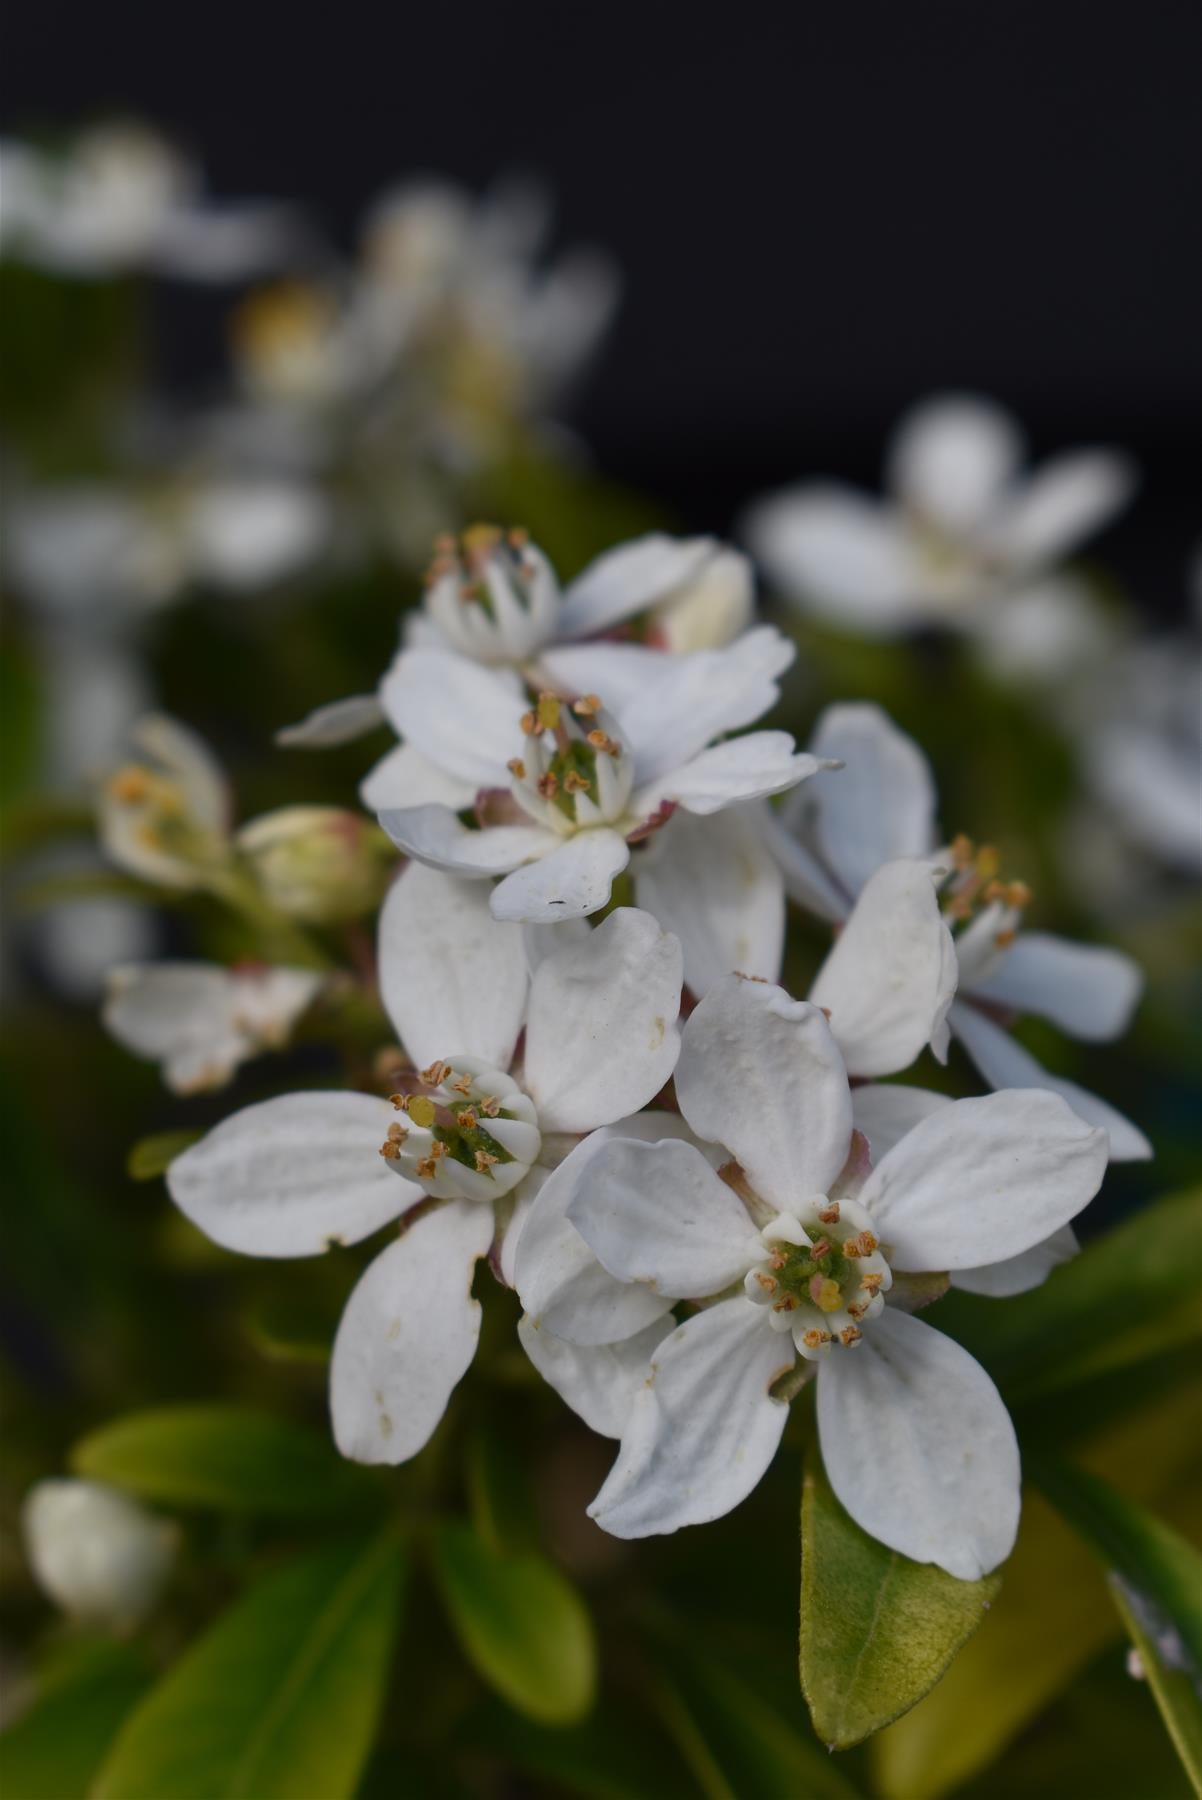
{"x": 467, "y": 1143}
{"x": 201, "y": 1022}
{"x": 832, "y": 841}
{"x": 97, "y": 1553}
{"x": 493, "y": 597}
{"x": 164, "y": 814}
{"x": 574, "y": 783}
{"x": 963, "y": 539}
{"x": 798, "y": 1251}
{"x": 120, "y": 197}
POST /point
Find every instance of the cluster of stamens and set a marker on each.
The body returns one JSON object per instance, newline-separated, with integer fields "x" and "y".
{"x": 491, "y": 593}
{"x": 468, "y": 1133}
{"x": 573, "y": 771}
{"x": 158, "y": 812}
{"x": 985, "y": 910}
{"x": 823, "y": 1278}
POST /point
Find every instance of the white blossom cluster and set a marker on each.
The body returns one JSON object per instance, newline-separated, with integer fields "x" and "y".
{"x": 706, "y": 1191}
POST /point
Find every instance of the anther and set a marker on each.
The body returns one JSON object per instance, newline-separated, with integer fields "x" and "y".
{"x": 462, "y": 1086}
{"x": 437, "y": 1073}
{"x": 548, "y": 785}
{"x": 390, "y": 1150}
{"x": 400, "y": 1101}
{"x": 529, "y": 724}
{"x": 484, "y": 1161}
{"x": 851, "y": 1334}
{"x": 517, "y": 768}
{"x": 813, "y": 1339}
{"x": 820, "y": 1249}
{"x": 830, "y": 1214}
{"x": 586, "y": 706}
{"x": 575, "y": 783}
{"x": 490, "y": 1106}
{"x": 396, "y": 1134}
{"x": 130, "y": 785}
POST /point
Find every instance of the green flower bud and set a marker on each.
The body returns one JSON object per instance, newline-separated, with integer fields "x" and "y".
{"x": 318, "y": 863}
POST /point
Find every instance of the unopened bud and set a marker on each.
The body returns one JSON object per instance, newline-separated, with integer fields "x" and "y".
{"x": 318, "y": 863}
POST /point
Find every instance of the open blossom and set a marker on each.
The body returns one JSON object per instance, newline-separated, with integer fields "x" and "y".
{"x": 98, "y": 1554}
{"x": 574, "y": 783}
{"x": 797, "y": 1249}
{"x": 461, "y": 1148}
{"x": 832, "y": 842}
{"x": 963, "y": 540}
{"x": 164, "y": 813}
{"x": 120, "y": 197}
{"x": 493, "y": 597}
{"x": 201, "y": 1022}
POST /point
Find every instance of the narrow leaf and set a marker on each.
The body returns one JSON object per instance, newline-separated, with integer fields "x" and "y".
{"x": 520, "y": 1623}
{"x": 279, "y": 1699}
{"x": 1161, "y": 1565}
{"x": 877, "y": 1630}
{"x": 52, "y": 1752}
{"x": 223, "y": 1456}
{"x": 153, "y": 1156}
{"x": 1174, "y": 1687}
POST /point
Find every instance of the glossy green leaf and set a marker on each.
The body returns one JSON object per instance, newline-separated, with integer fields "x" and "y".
{"x": 1174, "y": 1688}
{"x": 521, "y": 1624}
{"x": 1160, "y": 1564}
{"x": 53, "y": 1751}
{"x": 279, "y": 1699}
{"x": 223, "y": 1456}
{"x": 877, "y": 1630}
{"x": 153, "y": 1156}
{"x": 1064, "y": 1330}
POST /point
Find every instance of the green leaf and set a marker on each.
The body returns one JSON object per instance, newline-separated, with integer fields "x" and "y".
{"x": 498, "y": 1485}
{"x": 153, "y": 1156}
{"x": 223, "y": 1456}
{"x": 1161, "y": 1565}
{"x": 520, "y": 1623}
{"x": 53, "y": 1751}
{"x": 279, "y": 1699}
{"x": 1015, "y": 1666}
{"x": 877, "y": 1630}
{"x": 1173, "y": 1688}
{"x": 1064, "y": 1331}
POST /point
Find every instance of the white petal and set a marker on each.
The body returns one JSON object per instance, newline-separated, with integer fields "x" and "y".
{"x": 98, "y": 1554}
{"x": 951, "y": 459}
{"x": 744, "y": 768}
{"x": 891, "y": 975}
{"x": 806, "y": 881}
{"x": 186, "y": 756}
{"x": 702, "y": 1432}
{"x": 542, "y": 941}
{"x": 919, "y": 1446}
{"x": 617, "y": 673}
{"x": 701, "y": 696}
{"x": 407, "y": 1336}
{"x": 460, "y": 716}
{"x": 339, "y": 722}
{"x": 716, "y": 884}
{"x": 762, "y": 1074}
{"x": 715, "y": 608}
{"x": 886, "y": 1114}
{"x": 562, "y": 1285}
{"x": 601, "y": 1033}
{"x": 1017, "y": 1274}
{"x": 629, "y": 579}
{"x": 881, "y": 804}
{"x": 243, "y": 535}
{"x": 435, "y": 836}
{"x": 1088, "y": 990}
{"x": 982, "y": 1180}
{"x": 292, "y": 1176}
{"x": 1004, "y": 1063}
{"x": 1049, "y": 628}
{"x": 570, "y": 882}
{"x": 1064, "y": 502}
{"x": 840, "y": 555}
{"x": 658, "y": 1215}
{"x": 452, "y": 978}
{"x": 156, "y": 1008}
{"x": 598, "y": 1381}
{"x": 403, "y": 778}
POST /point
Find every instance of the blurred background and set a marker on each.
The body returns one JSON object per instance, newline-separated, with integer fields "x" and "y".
{"x": 591, "y": 275}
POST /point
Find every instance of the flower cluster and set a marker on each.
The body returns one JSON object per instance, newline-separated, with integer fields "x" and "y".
{"x": 703, "y": 1189}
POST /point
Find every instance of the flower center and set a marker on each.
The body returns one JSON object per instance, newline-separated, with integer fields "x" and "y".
{"x": 574, "y": 772}
{"x": 984, "y": 911}
{"x": 491, "y": 593}
{"x": 158, "y": 811}
{"x": 469, "y": 1134}
{"x": 823, "y": 1274}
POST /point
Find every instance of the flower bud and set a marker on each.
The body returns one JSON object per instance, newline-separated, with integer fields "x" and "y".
{"x": 98, "y": 1555}
{"x": 318, "y": 863}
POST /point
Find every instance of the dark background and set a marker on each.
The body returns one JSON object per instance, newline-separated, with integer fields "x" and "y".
{"x": 821, "y": 212}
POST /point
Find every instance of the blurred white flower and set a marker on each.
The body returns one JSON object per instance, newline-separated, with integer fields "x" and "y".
{"x": 468, "y": 1134}
{"x": 573, "y": 783}
{"x": 790, "y": 1249}
{"x": 119, "y": 197}
{"x": 99, "y": 1556}
{"x": 963, "y": 539}
{"x": 831, "y": 840}
{"x": 164, "y": 814}
{"x": 200, "y": 1021}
